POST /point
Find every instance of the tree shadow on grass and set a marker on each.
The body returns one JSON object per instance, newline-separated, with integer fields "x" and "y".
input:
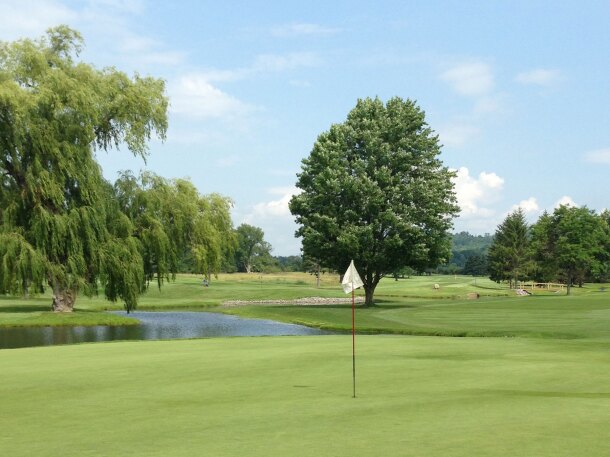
{"x": 380, "y": 305}
{"x": 24, "y": 308}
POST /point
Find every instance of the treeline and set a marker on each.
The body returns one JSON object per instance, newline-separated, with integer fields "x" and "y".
{"x": 247, "y": 251}
{"x": 468, "y": 255}
{"x": 570, "y": 246}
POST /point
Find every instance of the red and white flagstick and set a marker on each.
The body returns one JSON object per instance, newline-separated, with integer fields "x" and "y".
{"x": 353, "y": 340}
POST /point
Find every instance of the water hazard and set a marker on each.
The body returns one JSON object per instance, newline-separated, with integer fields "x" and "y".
{"x": 154, "y": 326}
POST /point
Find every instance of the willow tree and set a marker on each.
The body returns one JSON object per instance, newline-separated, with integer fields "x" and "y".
{"x": 58, "y": 226}
{"x": 171, "y": 219}
{"x": 374, "y": 190}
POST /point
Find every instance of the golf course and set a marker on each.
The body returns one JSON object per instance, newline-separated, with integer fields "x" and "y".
{"x": 437, "y": 374}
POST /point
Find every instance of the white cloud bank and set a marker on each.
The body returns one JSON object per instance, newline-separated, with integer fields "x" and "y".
{"x": 275, "y": 219}
{"x": 474, "y": 193}
{"x": 565, "y": 201}
{"x": 598, "y": 156}
{"x": 470, "y": 79}
{"x": 19, "y": 18}
{"x": 538, "y": 77}
{"x": 529, "y": 206}
{"x": 195, "y": 96}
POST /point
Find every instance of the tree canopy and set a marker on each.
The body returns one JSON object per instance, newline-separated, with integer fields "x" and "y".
{"x": 509, "y": 253}
{"x": 375, "y": 191}
{"x": 252, "y": 252}
{"x": 57, "y": 224}
{"x": 172, "y": 220}
{"x": 571, "y": 243}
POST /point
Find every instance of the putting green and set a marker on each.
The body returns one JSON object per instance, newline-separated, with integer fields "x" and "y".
{"x": 291, "y": 396}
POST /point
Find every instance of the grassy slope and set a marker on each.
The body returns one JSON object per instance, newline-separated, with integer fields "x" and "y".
{"x": 424, "y": 396}
{"x": 291, "y": 396}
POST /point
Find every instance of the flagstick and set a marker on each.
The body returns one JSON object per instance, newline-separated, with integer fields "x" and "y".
{"x": 353, "y": 341}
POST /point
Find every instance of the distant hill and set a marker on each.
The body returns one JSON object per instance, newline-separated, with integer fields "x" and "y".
{"x": 464, "y": 247}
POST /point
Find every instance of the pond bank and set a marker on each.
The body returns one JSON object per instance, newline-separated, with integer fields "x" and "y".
{"x": 152, "y": 326}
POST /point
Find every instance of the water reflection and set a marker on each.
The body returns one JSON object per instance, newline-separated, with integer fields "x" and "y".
{"x": 154, "y": 326}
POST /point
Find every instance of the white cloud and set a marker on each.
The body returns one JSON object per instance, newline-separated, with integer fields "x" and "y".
{"x": 301, "y": 29}
{"x": 264, "y": 63}
{"x": 30, "y": 18}
{"x": 598, "y": 156}
{"x": 470, "y": 79}
{"x": 275, "y": 219}
{"x": 538, "y": 77}
{"x": 194, "y": 96}
{"x": 457, "y": 134}
{"x": 528, "y": 206}
{"x": 474, "y": 192}
{"x": 565, "y": 201}
{"x": 274, "y": 208}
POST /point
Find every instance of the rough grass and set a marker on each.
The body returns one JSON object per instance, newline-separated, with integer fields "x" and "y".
{"x": 291, "y": 396}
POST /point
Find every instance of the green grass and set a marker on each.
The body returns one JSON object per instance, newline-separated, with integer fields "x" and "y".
{"x": 585, "y": 316}
{"x": 543, "y": 392}
{"x": 291, "y": 396}
{"x": 408, "y": 306}
{"x": 35, "y": 313}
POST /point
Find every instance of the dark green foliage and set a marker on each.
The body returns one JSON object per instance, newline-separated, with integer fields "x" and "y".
{"x": 252, "y": 252}
{"x": 374, "y": 190}
{"x": 476, "y": 265}
{"x": 572, "y": 244}
{"x": 509, "y": 254}
{"x": 56, "y": 226}
{"x": 290, "y": 263}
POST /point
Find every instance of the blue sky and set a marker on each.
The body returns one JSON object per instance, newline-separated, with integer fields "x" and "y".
{"x": 519, "y": 91}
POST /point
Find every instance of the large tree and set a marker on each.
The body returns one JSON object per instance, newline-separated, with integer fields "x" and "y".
{"x": 374, "y": 190}
{"x": 172, "y": 220}
{"x": 509, "y": 254}
{"x": 57, "y": 223}
{"x": 252, "y": 252}
{"x": 572, "y": 241}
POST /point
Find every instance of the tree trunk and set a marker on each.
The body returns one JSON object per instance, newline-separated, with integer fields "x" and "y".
{"x": 26, "y": 289}
{"x": 368, "y": 296}
{"x": 63, "y": 300}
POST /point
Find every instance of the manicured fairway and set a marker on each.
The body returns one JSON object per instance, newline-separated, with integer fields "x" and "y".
{"x": 562, "y": 317}
{"x": 291, "y": 396}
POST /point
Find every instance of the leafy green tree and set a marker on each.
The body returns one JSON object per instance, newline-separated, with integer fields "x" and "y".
{"x": 463, "y": 246}
{"x": 172, "y": 220}
{"x": 290, "y": 263}
{"x": 375, "y": 191}
{"x": 603, "y": 272}
{"x": 572, "y": 241}
{"x": 509, "y": 253}
{"x": 57, "y": 226}
{"x": 253, "y": 253}
{"x": 476, "y": 265}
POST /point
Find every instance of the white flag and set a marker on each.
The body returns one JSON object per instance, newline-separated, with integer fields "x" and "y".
{"x": 351, "y": 279}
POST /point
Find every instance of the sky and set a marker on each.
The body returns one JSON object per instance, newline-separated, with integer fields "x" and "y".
{"x": 518, "y": 92}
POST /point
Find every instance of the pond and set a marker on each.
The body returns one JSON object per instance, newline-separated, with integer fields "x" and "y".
{"x": 154, "y": 326}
